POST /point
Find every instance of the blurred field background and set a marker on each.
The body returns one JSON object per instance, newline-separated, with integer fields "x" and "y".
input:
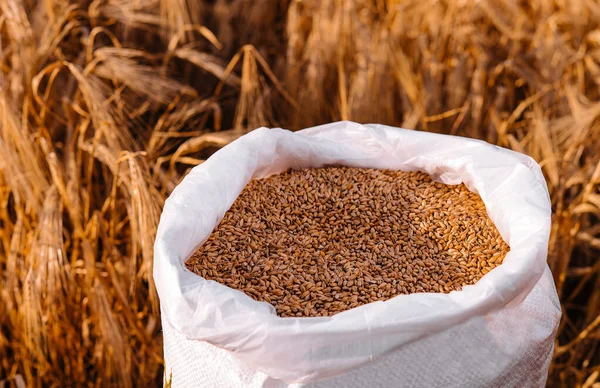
{"x": 106, "y": 104}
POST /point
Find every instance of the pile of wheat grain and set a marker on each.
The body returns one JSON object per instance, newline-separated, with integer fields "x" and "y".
{"x": 316, "y": 242}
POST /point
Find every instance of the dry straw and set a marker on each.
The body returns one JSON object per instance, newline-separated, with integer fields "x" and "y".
{"x": 104, "y": 105}
{"x": 316, "y": 242}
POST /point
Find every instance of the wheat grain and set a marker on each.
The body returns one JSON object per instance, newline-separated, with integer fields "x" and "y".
{"x": 316, "y": 242}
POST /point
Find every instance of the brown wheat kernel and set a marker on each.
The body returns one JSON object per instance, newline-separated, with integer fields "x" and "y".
{"x": 316, "y": 242}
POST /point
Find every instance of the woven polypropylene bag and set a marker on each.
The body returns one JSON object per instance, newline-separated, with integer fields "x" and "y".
{"x": 498, "y": 332}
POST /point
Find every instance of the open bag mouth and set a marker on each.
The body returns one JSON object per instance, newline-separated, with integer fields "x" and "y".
{"x": 510, "y": 184}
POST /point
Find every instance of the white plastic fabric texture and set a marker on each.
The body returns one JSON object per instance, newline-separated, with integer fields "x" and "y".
{"x": 498, "y": 332}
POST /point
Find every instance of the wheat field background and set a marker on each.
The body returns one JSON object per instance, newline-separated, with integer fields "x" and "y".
{"x": 106, "y": 104}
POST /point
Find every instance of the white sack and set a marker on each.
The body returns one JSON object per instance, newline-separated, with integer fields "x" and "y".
{"x": 498, "y": 332}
